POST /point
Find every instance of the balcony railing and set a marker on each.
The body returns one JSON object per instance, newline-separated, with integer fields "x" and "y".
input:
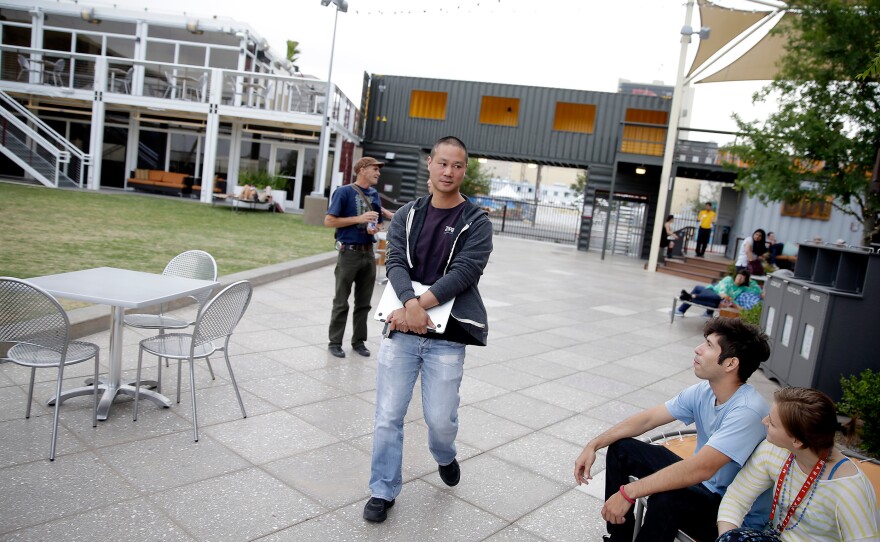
{"x": 64, "y": 72}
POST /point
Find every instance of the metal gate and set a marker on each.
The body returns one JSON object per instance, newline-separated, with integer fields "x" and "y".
{"x": 627, "y": 226}
{"x": 558, "y": 223}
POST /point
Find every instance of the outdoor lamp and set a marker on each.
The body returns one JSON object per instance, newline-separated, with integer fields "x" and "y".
{"x": 341, "y": 5}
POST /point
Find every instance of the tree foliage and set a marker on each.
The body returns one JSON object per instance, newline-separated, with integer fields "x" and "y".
{"x": 476, "y": 179}
{"x": 580, "y": 183}
{"x": 293, "y": 51}
{"x": 823, "y": 140}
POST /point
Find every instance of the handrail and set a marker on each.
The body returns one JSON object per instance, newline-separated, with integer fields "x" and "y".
{"x": 338, "y": 103}
{"x": 71, "y": 148}
{"x": 62, "y": 156}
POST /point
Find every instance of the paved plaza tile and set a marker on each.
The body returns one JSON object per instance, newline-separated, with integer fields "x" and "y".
{"x": 575, "y": 344}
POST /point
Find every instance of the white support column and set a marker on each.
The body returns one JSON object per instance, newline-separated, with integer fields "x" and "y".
{"x": 336, "y": 176}
{"x": 234, "y": 158}
{"x": 131, "y": 149}
{"x": 37, "y": 19}
{"x": 140, "y": 53}
{"x": 324, "y": 145}
{"x": 96, "y": 148}
{"x": 671, "y": 138}
{"x": 212, "y": 131}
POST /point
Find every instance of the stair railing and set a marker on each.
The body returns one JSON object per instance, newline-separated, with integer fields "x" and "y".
{"x": 77, "y": 159}
{"x": 13, "y": 128}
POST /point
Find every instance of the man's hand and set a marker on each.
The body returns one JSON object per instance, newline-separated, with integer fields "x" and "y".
{"x": 369, "y": 216}
{"x": 411, "y": 318}
{"x": 615, "y": 509}
{"x": 583, "y": 464}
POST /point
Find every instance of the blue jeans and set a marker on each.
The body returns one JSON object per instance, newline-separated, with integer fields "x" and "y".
{"x": 401, "y": 358}
{"x": 703, "y": 296}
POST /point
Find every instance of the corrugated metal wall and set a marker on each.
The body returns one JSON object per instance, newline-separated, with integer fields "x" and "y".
{"x": 753, "y": 215}
{"x": 533, "y": 139}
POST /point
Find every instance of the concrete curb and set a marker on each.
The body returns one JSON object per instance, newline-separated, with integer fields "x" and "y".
{"x": 96, "y": 318}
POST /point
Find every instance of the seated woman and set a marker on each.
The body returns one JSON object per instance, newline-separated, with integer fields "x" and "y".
{"x": 820, "y": 495}
{"x": 727, "y": 289}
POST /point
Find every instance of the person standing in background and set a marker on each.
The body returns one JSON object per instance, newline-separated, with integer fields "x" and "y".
{"x": 356, "y": 213}
{"x": 707, "y": 219}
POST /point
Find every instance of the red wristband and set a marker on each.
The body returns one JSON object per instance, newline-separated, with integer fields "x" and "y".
{"x": 625, "y": 496}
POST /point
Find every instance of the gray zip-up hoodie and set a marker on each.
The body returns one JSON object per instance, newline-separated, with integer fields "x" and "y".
{"x": 464, "y": 266}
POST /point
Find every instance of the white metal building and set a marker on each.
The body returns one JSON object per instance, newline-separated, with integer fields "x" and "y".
{"x": 93, "y": 96}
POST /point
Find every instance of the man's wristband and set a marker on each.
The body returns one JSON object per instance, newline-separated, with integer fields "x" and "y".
{"x": 626, "y": 497}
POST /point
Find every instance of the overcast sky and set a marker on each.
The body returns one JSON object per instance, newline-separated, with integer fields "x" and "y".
{"x": 574, "y": 44}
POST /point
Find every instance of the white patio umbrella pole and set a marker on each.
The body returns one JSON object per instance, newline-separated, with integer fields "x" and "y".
{"x": 671, "y": 138}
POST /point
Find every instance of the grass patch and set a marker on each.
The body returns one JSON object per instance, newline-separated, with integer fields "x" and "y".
{"x": 47, "y": 231}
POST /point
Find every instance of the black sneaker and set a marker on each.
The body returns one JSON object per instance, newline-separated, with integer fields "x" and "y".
{"x": 376, "y": 509}
{"x": 336, "y": 350}
{"x": 450, "y": 474}
{"x": 685, "y": 296}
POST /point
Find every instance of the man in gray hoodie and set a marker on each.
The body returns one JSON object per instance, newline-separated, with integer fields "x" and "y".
{"x": 442, "y": 240}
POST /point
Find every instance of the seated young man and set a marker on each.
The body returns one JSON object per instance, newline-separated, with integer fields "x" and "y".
{"x": 685, "y": 493}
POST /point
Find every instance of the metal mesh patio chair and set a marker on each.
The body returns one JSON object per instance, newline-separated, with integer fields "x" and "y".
{"x": 192, "y": 264}
{"x": 58, "y": 72}
{"x": 37, "y": 331}
{"x": 25, "y": 66}
{"x": 216, "y": 321}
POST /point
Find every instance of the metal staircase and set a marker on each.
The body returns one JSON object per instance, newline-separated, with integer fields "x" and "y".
{"x": 39, "y": 150}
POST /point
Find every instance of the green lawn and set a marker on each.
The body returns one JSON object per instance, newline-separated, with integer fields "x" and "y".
{"x": 46, "y": 231}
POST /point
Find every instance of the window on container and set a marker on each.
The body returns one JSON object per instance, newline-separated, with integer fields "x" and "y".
{"x": 426, "y": 104}
{"x": 638, "y": 137}
{"x": 571, "y": 117}
{"x": 499, "y": 111}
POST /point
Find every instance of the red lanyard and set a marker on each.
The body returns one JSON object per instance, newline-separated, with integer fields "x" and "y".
{"x": 808, "y": 483}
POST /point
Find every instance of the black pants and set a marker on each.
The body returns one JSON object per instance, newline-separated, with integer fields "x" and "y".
{"x": 703, "y": 235}
{"x": 693, "y": 509}
{"x": 358, "y": 268}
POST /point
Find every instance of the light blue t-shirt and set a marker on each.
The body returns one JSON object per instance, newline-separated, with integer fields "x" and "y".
{"x": 734, "y": 429}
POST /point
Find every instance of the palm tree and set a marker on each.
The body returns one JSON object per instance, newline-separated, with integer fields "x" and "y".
{"x": 293, "y": 51}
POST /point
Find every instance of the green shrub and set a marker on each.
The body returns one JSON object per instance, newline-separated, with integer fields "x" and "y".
{"x": 861, "y": 401}
{"x": 753, "y": 315}
{"x": 261, "y": 178}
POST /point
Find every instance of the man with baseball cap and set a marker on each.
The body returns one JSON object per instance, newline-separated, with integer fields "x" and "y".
{"x": 356, "y": 212}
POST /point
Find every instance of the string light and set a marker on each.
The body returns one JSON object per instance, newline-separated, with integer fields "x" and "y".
{"x": 462, "y": 7}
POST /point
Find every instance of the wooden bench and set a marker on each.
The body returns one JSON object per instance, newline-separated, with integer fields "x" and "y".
{"x": 158, "y": 181}
{"x": 169, "y": 182}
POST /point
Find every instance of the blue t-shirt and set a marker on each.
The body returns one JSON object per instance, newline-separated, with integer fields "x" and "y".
{"x": 734, "y": 429}
{"x": 347, "y": 202}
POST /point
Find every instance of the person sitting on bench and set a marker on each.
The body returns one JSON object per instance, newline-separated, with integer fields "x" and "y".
{"x": 727, "y": 289}
{"x": 249, "y": 192}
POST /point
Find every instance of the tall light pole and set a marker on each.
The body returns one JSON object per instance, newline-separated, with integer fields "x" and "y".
{"x": 324, "y": 144}
{"x": 672, "y": 134}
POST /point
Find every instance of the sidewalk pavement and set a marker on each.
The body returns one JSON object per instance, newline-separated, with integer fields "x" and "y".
{"x": 575, "y": 345}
